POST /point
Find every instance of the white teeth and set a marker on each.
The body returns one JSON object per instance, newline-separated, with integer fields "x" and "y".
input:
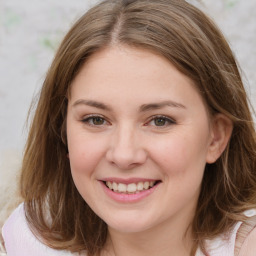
{"x": 140, "y": 186}
{"x": 130, "y": 188}
{"x": 146, "y": 185}
{"x": 121, "y": 187}
{"x": 114, "y": 186}
{"x": 109, "y": 184}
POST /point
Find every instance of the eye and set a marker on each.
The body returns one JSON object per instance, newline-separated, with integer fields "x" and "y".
{"x": 94, "y": 121}
{"x": 161, "y": 121}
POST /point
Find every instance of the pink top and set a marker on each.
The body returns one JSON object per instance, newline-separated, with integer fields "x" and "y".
{"x": 20, "y": 241}
{"x": 223, "y": 245}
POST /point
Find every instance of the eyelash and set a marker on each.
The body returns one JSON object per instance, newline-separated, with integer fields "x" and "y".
{"x": 91, "y": 118}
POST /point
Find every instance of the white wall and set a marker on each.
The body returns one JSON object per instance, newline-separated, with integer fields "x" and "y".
{"x": 30, "y": 31}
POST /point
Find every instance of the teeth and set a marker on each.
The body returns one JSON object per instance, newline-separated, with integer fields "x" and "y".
{"x": 146, "y": 185}
{"x": 109, "y": 184}
{"x": 130, "y": 188}
{"x": 114, "y": 186}
{"x": 140, "y": 186}
{"x": 121, "y": 187}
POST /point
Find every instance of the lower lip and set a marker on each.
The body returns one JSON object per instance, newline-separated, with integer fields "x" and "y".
{"x": 128, "y": 198}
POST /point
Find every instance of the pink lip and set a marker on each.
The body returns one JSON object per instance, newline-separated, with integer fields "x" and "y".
{"x": 128, "y": 198}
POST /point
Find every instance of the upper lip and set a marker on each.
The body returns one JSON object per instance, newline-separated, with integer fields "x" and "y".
{"x": 127, "y": 181}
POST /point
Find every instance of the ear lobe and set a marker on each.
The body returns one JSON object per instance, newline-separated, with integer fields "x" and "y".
{"x": 221, "y": 129}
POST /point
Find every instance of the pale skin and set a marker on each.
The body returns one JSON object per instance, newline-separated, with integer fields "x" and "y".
{"x": 133, "y": 116}
{"x": 249, "y": 247}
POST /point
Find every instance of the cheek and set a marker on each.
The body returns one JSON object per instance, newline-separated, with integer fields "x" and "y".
{"x": 181, "y": 153}
{"x": 84, "y": 153}
{"x": 85, "y": 156}
{"x": 172, "y": 158}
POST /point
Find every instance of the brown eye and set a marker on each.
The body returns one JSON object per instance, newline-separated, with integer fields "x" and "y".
{"x": 98, "y": 121}
{"x": 94, "y": 121}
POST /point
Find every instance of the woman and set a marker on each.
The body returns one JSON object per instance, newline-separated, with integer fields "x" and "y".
{"x": 142, "y": 141}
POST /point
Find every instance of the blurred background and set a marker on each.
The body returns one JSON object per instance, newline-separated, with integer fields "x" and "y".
{"x": 30, "y": 32}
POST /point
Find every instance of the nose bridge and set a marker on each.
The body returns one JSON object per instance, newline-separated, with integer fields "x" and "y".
{"x": 125, "y": 136}
{"x": 126, "y": 148}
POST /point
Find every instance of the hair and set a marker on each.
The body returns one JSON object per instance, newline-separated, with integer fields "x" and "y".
{"x": 187, "y": 38}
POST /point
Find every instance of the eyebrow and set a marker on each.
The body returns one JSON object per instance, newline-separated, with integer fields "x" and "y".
{"x": 159, "y": 105}
{"x": 92, "y": 103}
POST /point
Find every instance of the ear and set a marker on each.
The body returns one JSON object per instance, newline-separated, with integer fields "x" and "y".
{"x": 221, "y": 130}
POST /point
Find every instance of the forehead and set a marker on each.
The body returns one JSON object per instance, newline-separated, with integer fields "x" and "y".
{"x": 129, "y": 74}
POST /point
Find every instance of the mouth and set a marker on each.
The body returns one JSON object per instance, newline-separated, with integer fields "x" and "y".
{"x": 131, "y": 188}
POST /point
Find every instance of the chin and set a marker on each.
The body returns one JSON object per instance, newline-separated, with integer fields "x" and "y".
{"x": 129, "y": 225}
{"x": 128, "y": 228}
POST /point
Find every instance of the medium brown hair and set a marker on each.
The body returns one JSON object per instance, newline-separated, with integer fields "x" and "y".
{"x": 189, "y": 40}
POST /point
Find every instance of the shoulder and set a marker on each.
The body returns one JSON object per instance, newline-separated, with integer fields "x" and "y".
{"x": 19, "y": 240}
{"x": 241, "y": 239}
{"x": 249, "y": 246}
{"x": 247, "y": 234}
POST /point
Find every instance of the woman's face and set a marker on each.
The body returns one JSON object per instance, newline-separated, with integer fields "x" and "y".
{"x": 138, "y": 138}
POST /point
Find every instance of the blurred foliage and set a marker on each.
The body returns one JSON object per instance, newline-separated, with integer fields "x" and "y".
{"x": 230, "y": 3}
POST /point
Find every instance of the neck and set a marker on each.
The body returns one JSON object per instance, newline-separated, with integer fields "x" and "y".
{"x": 163, "y": 240}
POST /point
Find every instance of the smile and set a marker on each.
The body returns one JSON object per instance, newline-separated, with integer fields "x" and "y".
{"x": 131, "y": 188}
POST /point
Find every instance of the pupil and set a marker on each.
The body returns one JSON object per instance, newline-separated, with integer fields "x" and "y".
{"x": 98, "y": 120}
{"x": 160, "y": 121}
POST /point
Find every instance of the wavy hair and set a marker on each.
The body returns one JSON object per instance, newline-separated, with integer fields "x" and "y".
{"x": 187, "y": 38}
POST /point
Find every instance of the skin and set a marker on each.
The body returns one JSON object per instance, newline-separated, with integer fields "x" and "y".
{"x": 249, "y": 247}
{"x": 116, "y": 130}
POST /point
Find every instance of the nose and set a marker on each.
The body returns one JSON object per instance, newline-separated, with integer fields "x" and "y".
{"x": 126, "y": 149}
